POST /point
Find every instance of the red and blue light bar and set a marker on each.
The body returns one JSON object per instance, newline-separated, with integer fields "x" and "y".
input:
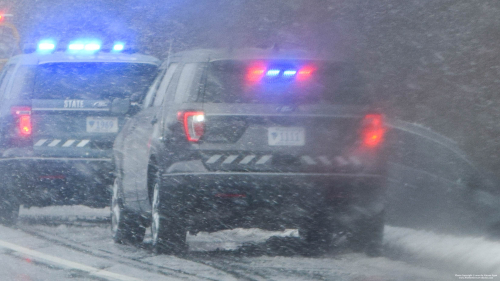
{"x": 257, "y": 73}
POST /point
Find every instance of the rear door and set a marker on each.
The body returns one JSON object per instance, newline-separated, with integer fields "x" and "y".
{"x": 137, "y": 142}
{"x": 70, "y": 105}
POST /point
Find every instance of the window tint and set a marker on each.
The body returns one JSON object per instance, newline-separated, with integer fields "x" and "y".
{"x": 148, "y": 100}
{"x": 299, "y": 82}
{"x": 5, "y": 79}
{"x": 160, "y": 96}
{"x": 186, "y": 86}
{"x": 85, "y": 80}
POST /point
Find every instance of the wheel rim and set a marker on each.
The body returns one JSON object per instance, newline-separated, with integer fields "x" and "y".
{"x": 115, "y": 209}
{"x": 155, "y": 225}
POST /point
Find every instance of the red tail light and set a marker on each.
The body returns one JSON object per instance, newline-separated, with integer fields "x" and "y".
{"x": 373, "y": 130}
{"x": 23, "y": 115}
{"x": 194, "y": 124}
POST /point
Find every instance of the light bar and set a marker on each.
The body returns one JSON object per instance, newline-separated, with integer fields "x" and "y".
{"x": 289, "y": 73}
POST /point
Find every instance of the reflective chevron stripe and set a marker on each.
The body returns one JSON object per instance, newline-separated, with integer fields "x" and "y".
{"x": 68, "y": 143}
{"x": 214, "y": 159}
{"x": 60, "y": 143}
{"x": 54, "y": 143}
{"x": 230, "y": 159}
{"x": 264, "y": 159}
{"x": 83, "y": 143}
{"x": 40, "y": 142}
{"x": 247, "y": 159}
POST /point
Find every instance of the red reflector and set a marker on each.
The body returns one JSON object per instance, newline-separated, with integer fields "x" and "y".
{"x": 230, "y": 195}
{"x": 23, "y": 114}
{"x": 373, "y": 130}
{"x": 194, "y": 124}
{"x": 25, "y": 125}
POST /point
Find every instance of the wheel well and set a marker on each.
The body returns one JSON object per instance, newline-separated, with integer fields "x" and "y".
{"x": 152, "y": 169}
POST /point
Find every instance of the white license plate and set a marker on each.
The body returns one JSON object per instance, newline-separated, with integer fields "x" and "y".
{"x": 102, "y": 124}
{"x": 293, "y": 136}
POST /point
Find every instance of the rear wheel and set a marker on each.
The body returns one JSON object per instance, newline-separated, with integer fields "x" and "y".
{"x": 125, "y": 225}
{"x": 167, "y": 229}
{"x": 367, "y": 236}
{"x": 317, "y": 234}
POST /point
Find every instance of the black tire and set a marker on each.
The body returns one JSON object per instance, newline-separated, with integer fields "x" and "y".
{"x": 126, "y": 226}
{"x": 9, "y": 202}
{"x": 9, "y": 211}
{"x": 367, "y": 236}
{"x": 167, "y": 228}
{"x": 317, "y": 235}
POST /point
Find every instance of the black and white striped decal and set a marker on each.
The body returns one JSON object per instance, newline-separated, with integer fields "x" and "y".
{"x": 265, "y": 159}
{"x": 61, "y": 143}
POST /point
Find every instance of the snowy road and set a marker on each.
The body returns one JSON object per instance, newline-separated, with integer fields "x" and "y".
{"x": 46, "y": 245}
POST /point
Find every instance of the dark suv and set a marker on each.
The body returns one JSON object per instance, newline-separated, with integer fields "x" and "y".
{"x": 252, "y": 138}
{"x": 57, "y": 128}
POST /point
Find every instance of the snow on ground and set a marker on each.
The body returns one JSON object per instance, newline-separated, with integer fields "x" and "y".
{"x": 465, "y": 255}
{"x": 65, "y": 211}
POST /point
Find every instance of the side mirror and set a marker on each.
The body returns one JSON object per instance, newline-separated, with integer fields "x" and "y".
{"x": 120, "y": 106}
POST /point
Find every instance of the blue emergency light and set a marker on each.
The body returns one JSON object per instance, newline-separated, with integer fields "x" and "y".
{"x": 46, "y": 46}
{"x": 92, "y": 47}
{"x": 118, "y": 47}
{"x": 273, "y": 72}
{"x": 76, "y": 47}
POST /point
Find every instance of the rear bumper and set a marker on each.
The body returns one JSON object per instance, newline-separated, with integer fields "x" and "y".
{"x": 47, "y": 181}
{"x": 211, "y": 201}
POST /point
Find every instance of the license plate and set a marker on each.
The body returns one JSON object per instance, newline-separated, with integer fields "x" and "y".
{"x": 292, "y": 136}
{"x": 102, "y": 124}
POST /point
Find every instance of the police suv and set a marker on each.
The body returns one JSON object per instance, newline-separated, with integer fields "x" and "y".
{"x": 56, "y": 124}
{"x": 249, "y": 138}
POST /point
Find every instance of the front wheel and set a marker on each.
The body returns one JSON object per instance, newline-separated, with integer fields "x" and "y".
{"x": 125, "y": 225}
{"x": 167, "y": 229}
{"x": 9, "y": 204}
{"x": 317, "y": 234}
{"x": 9, "y": 211}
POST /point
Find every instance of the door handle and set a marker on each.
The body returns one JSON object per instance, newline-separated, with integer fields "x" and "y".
{"x": 154, "y": 120}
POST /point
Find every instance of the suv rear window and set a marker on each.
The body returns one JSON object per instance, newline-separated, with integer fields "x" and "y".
{"x": 88, "y": 81}
{"x": 297, "y": 82}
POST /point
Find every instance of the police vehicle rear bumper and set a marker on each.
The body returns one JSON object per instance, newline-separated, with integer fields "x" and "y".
{"x": 40, "y": 181}
{"x": 212, "y": 201}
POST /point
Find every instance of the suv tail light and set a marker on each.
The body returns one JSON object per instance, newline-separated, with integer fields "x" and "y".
{"x": 194, "y": 124}
{"x": 23, "y": 116}
{"x": 373, "y": 130}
